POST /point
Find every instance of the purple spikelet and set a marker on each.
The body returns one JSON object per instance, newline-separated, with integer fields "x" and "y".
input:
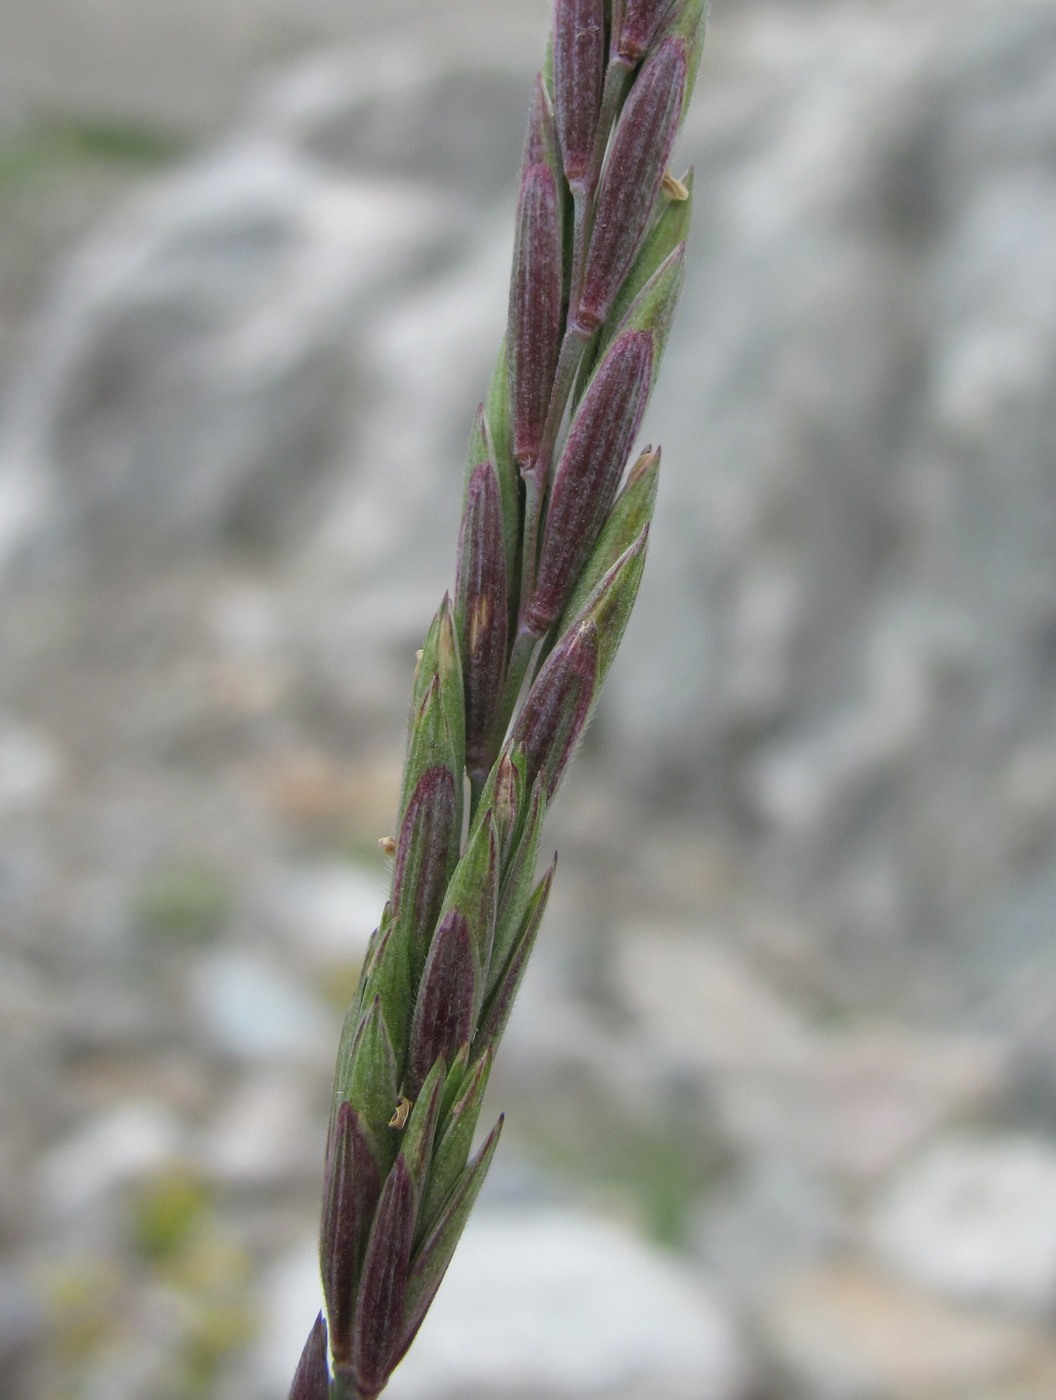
{"x": 590, "y": 469}
{"x": 555, "y": 713}
{"x": 631, "y": 178}
{"x": 483, "y": 611}
{"x": 444, "y": 1009}
{"x": 579, "y": 59}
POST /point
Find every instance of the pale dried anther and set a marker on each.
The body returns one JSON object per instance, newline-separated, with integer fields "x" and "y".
{"x": 401, "y": 1113}
{"x": 674, "y": 189}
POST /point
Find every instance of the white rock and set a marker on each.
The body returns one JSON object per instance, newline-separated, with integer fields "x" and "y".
{"x": 560, "y": 1303}
{"x": 30, "y": 765}
{"x": 328, "y": 911}
{"x": 266, "y": 1132}
{"x": 124, "y": 1142}
{"x": 252, "y": 1010}
{"x": 975, "y": 1218}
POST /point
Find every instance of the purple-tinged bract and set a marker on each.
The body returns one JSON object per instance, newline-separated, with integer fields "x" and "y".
{"x": 556, "y": 711}
{"x": 579, "y": 66}
{"x": 631, "y": 178}
{"x": 500, "y": 1003}
{"x": 443, "y": 1012}
{"x": 425, "y": 855}
{"x": 535, "y": 309}
{"x": 483, "y": 611}
{"x": 589, "y": 472}
{"x": 641, "y": 20}
{"x": 383, "y": 1284}
{"x": 540, "y": 141}
{"x": 311, "y": 1380}
{"x": 434, "y": 1255}
{"x": 350, "y": 1195}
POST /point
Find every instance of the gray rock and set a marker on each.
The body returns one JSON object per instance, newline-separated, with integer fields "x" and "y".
{"x": 189, "y": 73}
{"x": 844, "y": 635}
{"x": 1009, "y": 956}
{"x": 975, "y": 1218}
{"x": 769, "y": 1218}
{"x": 211, "y": 355}
{"x": 849, "y": 1099}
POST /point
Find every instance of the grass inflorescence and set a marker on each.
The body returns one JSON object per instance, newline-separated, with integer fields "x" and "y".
{"x": 550, "y": 556}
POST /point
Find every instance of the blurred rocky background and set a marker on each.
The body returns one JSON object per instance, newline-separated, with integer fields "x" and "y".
{"x": 782, "y": 1086}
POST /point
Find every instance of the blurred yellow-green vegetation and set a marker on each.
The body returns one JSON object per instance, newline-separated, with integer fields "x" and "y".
{"x": 51, "y": 151}
{"x": 183, "y": 1275}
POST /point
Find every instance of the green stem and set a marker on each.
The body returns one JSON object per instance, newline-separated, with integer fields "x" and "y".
{"x": 612, "y": 92}
{"x": 520, "y": 659}
{"x": 616, "y": 76}
{"x": 477, "y": 779}
{"x": 533, "y": 509}
{"x": 568, "y": 361}
{"x": 581, "y": 206}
